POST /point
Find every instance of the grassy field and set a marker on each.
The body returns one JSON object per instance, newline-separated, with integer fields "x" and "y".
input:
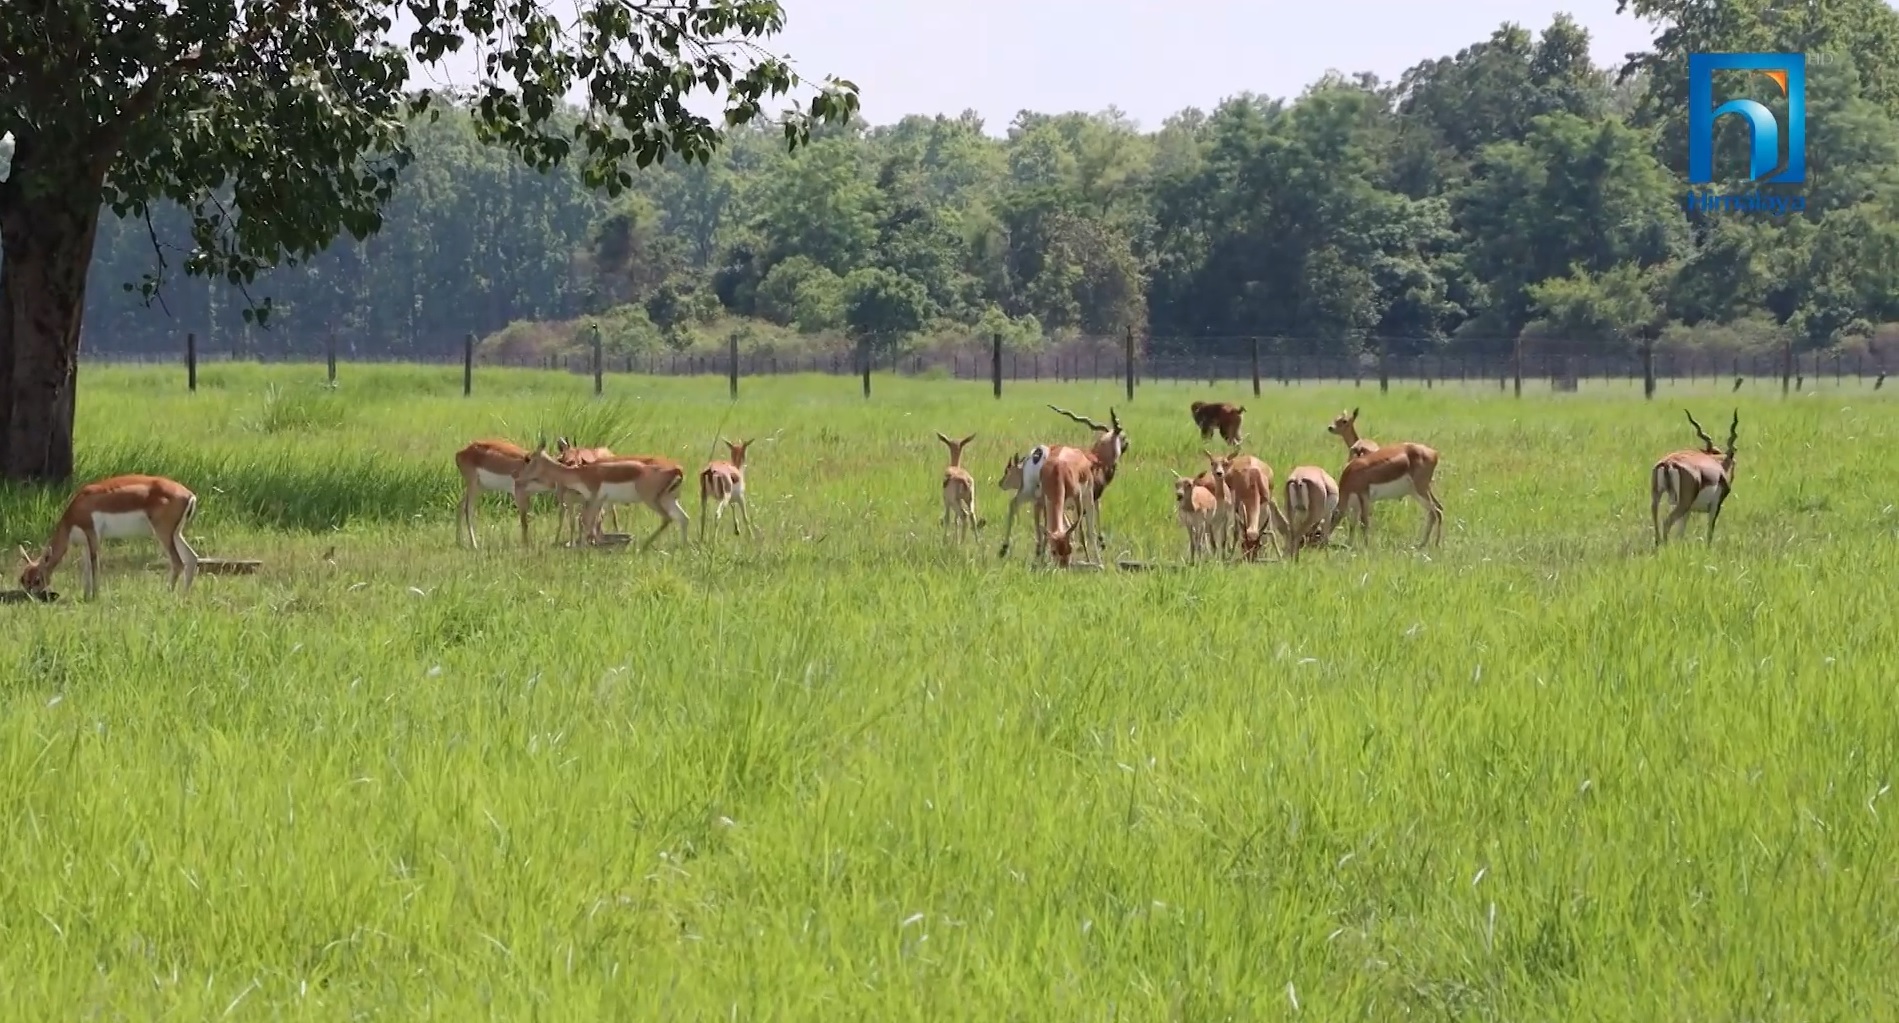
{"x": 854, "y": 772}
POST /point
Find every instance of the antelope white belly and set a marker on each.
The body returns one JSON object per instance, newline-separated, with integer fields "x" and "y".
{"x": 619, "y": 493}
{"x": 494, "y": 480}
{"x": 1395, "y": 489}
{"x": 1705, "y": 499}
{"x": 114, "y": 525}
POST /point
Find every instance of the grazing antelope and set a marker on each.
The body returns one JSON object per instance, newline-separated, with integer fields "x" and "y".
{"x": 118, "y": 506}
{"x": 1218, "y": 415}
{"x": 1695, "y": 481}
{"x": 1224, "y": 522}
{"x": 1386, "y": 473}
{"x": 1068, "y": 474}
{"x": 492, "y": 465}
{"x": 1110, "y": 444}
{"x": 1312, "y": 495}
{"x": 959, "y": 489}
{"x": 1251, "y": 481}
{"x": 1022, "y": 477}
{"x": 650, "y": 480}
{"x": 568, "y": 454}
{"x": 725, "y": 481}
{"x": 1196, "y": 508}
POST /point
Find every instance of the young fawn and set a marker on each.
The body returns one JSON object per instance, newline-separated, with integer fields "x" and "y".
{"x": 725, "y": 481}
{"x": 1195, "y": 508}
{"x": 959, "y": 490}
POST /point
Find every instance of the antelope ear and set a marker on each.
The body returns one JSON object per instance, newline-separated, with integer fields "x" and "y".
{"x": 1354, "y": 414}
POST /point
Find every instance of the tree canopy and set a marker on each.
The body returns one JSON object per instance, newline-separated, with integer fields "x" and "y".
{"x": 266, "y": 128}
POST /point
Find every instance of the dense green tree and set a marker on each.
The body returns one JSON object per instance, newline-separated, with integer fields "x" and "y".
{"x": 279, "y": 125}
{"x": 1511, "y": 189}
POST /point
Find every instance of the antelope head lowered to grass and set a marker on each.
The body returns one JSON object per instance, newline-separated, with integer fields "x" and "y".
{"x": 1250, "y": 480}
{"x": 1694, "y": 481}
{"x": 959, "y": 490}
{"x": 1066, "y": 475}
{"x": 651, "y": 480}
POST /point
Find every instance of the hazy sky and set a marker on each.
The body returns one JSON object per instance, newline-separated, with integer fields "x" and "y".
{"x": 1147, "y": 57}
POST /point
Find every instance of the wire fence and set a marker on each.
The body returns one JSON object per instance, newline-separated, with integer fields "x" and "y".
{"x": 1213, "y": 361}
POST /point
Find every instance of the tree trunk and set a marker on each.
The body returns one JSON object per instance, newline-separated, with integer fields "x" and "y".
{"x": 46, "y": 244}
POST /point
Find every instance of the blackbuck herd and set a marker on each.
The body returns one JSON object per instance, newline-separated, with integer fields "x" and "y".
{"x": 1228, "y": 507}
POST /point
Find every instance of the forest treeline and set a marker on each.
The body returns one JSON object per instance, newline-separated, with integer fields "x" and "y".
{"x": 1513, "y": 188}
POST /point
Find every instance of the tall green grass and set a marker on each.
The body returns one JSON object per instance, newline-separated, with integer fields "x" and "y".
{"x": 852, "y": 771}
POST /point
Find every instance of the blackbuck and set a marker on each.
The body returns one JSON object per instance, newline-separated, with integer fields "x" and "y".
{"x": 1312, "y": 496}
{"x": 1385, "y": 473}
{"x": 1196, "y": 509}
{"x": 1110, "y": 445}
{"x": 650, "y": 480}
{"x": 1218, "y": 415}
{"x": 1250, "y": 480}
{"x": 492, "y": 465}
{"x": 1693, "y": 481}
{"x": 724, "y": 481}
{"x": 119, "y": 506}
{"x": 959, "y": 490}
{"x": 1068, "y": 474}
{"x": 567, "y": 454}
{"x": 1224, "y": 527}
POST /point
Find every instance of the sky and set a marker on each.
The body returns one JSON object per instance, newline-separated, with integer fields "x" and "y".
{"x": 1149, "y": 58}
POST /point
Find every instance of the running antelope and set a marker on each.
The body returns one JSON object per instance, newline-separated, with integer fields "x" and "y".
{"x": 492, "y": 465}
{"x": 1067, "y": 474}
{"x": 119, "y": 506}
{"x": 1218, "y": 415}
{"x": 1312, "y": 495}
{"x": 1694, "y": 481}
{"x": 725, "y": 481}
{"x": 1385, "y": 473}
{"x": 650, "y": 480}
{"x": 959, "y": 490}
{"x": 1251, "y": 481}
{"x": 1197, "y": 509}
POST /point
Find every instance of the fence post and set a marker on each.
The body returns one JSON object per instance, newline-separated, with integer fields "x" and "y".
{"x": 1648, "y": 369}
{"x": 191, "y": 363}
{"x": 1128, "y": 350}
{"x": 863, "y": 358}
{"x": 1517, "y": 365}
{"x": 330, "y": 353}
{"x": 599, "y": 364}
{"x": 468, "y": 365}
{"x": 1786, "y": 366}
{"x": 995, "y": 362}
{"x": 1384, "y": 370}
{"x": 1256, "y": 367}
{"x": 731, "y": 372}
